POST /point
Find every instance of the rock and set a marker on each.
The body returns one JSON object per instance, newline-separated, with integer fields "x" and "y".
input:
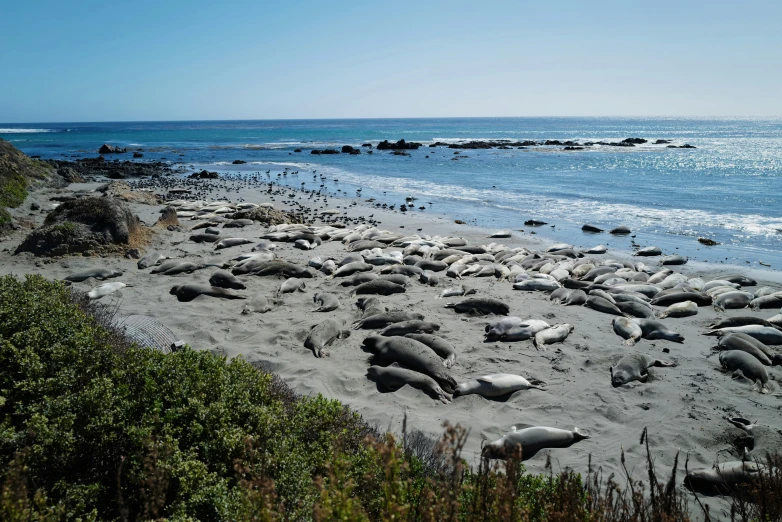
{"x": 121, "y": 190}
{"x": 347, "y": 149}
{"x": 90, "y": 224}
{"x": 168, "y": 217}
{"x": 368, "y": 145}
{"x": 204, "y": 174}
{"x": 534, "y": 223}
{"x": 238, "y": 162}
{"x": 635, "y": 141}
{"x": 325, "y": 151}
{"x": 35, "y": 206}
{"x": 592, "y": 229}
{"x": 138, "y": 155}
{"x": 620, "y": 231}
{"x": 133, "y": 253}
{"x": 706, "y": 241}
{"x": 399, "y": 145}
{"x": 111, "y": 149}
{"x": 297, "y": 150}
{"x": 70, "y": 175}
{"x": 685, "y": 146}
{"x": 661, "y": 142}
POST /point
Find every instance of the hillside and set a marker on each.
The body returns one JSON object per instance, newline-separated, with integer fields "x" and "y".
{"x": 18, "y": 173}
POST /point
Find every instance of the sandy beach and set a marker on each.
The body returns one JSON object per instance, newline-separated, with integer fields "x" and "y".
{"x": 684, "y": 407}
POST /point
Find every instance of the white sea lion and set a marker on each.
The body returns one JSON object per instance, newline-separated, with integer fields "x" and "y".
{"x": 105, "y": 289}
{"x": 555, "y": 334}
{"x": 496, "y": 385}
{"x": 683, "y": 309}
{"x": 290, "y": 285}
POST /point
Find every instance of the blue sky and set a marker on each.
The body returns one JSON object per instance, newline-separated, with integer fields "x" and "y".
{"x": 186, "y": 60}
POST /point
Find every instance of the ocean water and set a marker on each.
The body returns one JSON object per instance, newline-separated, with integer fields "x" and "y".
{"x": 729, "y": 188}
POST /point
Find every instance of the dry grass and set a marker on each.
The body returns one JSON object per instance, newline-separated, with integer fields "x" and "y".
{"x": 168, "y": 218}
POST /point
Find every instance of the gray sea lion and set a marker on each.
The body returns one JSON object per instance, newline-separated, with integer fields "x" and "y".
{"x": 683, "y": 309}
{"x": 560, "y": 295}
{"x": 274, "y": 268}
{"x": 649, "y": 251}
{"x": 735, "y": 342}
{"x": 634, "y": 367}
{"x": 653, "y": 330}
{"x": 764, "y": 334}
{"x": 429, "y": 278}
{"x": 326, "y": 302}
{"x": 483, "y": 305}
{"x": 150, "y": 259}
{"x": 742, "y": 320}
{"x": 521, "y": 332}
{"x": 724, "y": 478}
{"x": 679, "y": 297}
{"x": 190, "y": 291}
{"x": 238, "y": 223}
{"x": 673, "y": 260}
{"x": 264, "y": 246}
{"x": 105, "y": 289}
{"x": 767, "y": 301}
{"x": 555, "y": 334}
{"x": 602, "y": 293}
{"x": 599, "y": 249}
{"x": 602, "y": 305}
{"x": 405, "y": 270}
{"x": 455, "y": 291}
{"x": 396, "y": 278}
{"x": 576, "y": 298}
{"x": 439, "y": 345}
{"x": 225, "y": 279}
{"x": 432, "y": 265}
{"x": 364, "y": 244}
{"x": 182, "y": 267}
{"x": 258, "y": 304}
{"x": 740, "y": 280}
{"x": 384, "y": 319}
{"x": 405, "y": 327}
{"x": 531, "y": 440}
{"x": 290, "y": 285}
{"x": 352, "y": 268}
{"x": 165, "y": 265}
{"x": 379, "y": 287}
{"x": 393, "y": 378}
{"x": 497, "y": 385}
{"x": 231, "y": 242}
{"x": 497, "y": 329}
{"x": 732, "y": 300}
{"x": 358, "y": 279}
{"x": 211, "y": 230}
{"x": 636, "y": 309}
{"x": 204, "y": 238}
{"x": 323, "y": 334}
{"x": 749, "y": 366}
{"x": 536, "y": 285}
{"x": 351, "y": 258}
{"x": 411, "y": 354}
{"x": 598, "y": 271}
{"x": 95, "y": 273}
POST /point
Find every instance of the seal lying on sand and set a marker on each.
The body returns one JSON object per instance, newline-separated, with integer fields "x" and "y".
{"x": 439, "y": 345}
{"x": 411, "y": 354}
{"x": 724, "y": 478}
{"x": 95, "y": 273}
{"x": 394, "y": 377}
{"x": 634, "y": 329}
{"x": 749, "y": 366}
{"x": 531, "y": 440}
{"x": 633, "y": 367}
{"x": 496, "y": 385}
{"x": 386, "y": 318}
{"x": 190, "y": 291}
{"x": 225, "y": 279}
{"x": 326, "y": 302}
{"x": 483, "y": 305}
{"x": 406, "y": 327}
{"x": 105, "y": 289}
{"x": 323, "y": 334}
{"x": 379, "y": 287}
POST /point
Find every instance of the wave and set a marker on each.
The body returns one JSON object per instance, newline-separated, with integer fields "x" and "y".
{"x": 27, "y": 131}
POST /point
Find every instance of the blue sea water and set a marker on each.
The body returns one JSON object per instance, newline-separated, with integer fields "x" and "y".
{"x": 728, "y": 189}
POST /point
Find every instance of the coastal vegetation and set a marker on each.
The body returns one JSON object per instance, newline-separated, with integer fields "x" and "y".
{"x": 95, "y": 428}
{"x": 17, "y": 172}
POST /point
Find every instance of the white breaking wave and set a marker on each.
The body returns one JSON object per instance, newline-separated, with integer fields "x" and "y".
{"x": 26, "y": 131}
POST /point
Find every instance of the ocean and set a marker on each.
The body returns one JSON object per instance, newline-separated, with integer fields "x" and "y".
{"x": 728, "y": 188}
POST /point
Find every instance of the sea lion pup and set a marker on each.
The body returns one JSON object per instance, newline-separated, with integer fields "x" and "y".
{"x": 151, "y": 259}
{"x": 405, "y": 327}
{"x": 393, "y": 378}
{"x": 359, "y": 279}
{"x": 724, "y": 478}
{"x": 95, "y": 273}
{"x": 751, "y": 368}
{"x": 531, "y": 440}
{"x": 555, "y": 334}
{"x": 327, "y": 302}
{"x": 743, "y": 320}
{"x": 600, "y": 304}
{"x": 439, "y": 345}
{"x": 105, "y": 289}
{"x": 190, "y": 291}
{"x": 225, "y": 279}
{"x": 480, "y": 305}
{"x": 410, "y": 354}
{"x": 231, "y": 242}
{"x": 429, "y": 278}
{"x": 352, "y": 268}
{"x": 290, "y": 285}
{"x": 497, "y": 385}
{"x": 683, "y": 309}
{"x": 752, "y": 346}
{"x": 323, "y": 334}
{"x": 633, "y": 367}
{"x": 384, "y": 319}
{"x": 764, "y": 334}
{"x": 379, "y": 287}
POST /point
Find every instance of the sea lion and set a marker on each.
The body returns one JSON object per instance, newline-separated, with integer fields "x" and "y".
{"x": 724, "y": 478}
{"x": 601, "y": 293}
{"x": 105, "y": 289}
{"x": 182, "y": 267}
{"x": 766, "y": 301}
{"x": 329, "y": 267}
{"x": 649, "y": 251}
{"x": 598, "y": 271}
{"x": 405, "y": 327}
{"x": 429, "y": 278}
{"x": 394, "y": 377}
{"x": 535, "y": 284}
{"x": 633, "y": 367}
{"x": 742, "y": 320}
{"x": 732, "y": 300}
{"x": 591, "y": 229}
{"x": 323, "y": 334}
{"x": 748, "y": 365}
{"x": 396, "y": 278}
{"x": 405, "y": 270}
{"x": 290, "y": 285}
{"x": 764, "y": 334}
{"x": 439, "y": 345}
{"x": 359, "y": 279}
{"x": 364, "y": 244}
{"x": 679, "y": 297}
{"x": 531, "y": 440}
{"x": 496, "y": 385}
{"x": 497, "y": 329}
{"x": 431, "y": 265}
{"x": 274, "y": 268}
{"x": 521, "y": 332}
{"x": 683, "y": 309}
{"x": 635, "y": 309}
{"x": 384, "y": 319}
{"x": 620, "y": 231}
{"x": 554, "y": 334}
{"x": 483, "y": 305}
{"x": 411, "y": 354}
{"x": 238, "y": 223}
{"x": 258, "y": 304}
{"x": 190, "y": 291}
{"x": 454, "y": 291}
{"x": 499, "y": 234}
{"x": 744, "y": 343}
{"x": 326, "y": 302}
{"x": 602, "y": 305}
{"x": 352, "y": 268}
{"x": 379, "y": 287}
{"x": 231, "y": 242}
{"x": 599, "y": 249}
{"x": 225, "y": 279}
{"x": 95, "y": 273}
{"x": 673, "y": 260}
{"x": 204, "y": 238}
{"x": 740, "y": 280}
{"x": 150, "y": 259}
{"x": 576, "y": 298}
{"x": 560, "y": 295}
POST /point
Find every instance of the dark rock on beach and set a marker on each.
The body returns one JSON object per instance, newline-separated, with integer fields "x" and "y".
{"x": 138, "y": 155}
{"x": 79, "y": 170}
{"x": 238, "y": 162}
{"x": 635, "y": 141}
{"x": 204, "y": 174}
{"x": 399, "y": 145}
{"x": 111, "y": 149}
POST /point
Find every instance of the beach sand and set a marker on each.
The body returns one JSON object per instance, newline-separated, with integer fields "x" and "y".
{"x": 683, "y": 407}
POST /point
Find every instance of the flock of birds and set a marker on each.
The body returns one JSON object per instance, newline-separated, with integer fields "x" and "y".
{"x": 405, "y": 348}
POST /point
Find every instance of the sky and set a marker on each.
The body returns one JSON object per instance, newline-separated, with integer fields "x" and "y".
{"x": 72, "y": 61}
